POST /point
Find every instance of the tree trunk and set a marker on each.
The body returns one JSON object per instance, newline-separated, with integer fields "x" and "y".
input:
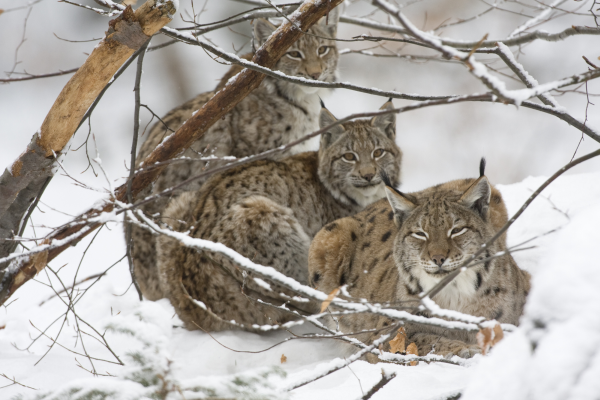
{"x": 22, "y": 183}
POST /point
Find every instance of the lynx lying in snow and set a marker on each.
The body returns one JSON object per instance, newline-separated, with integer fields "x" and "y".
{"x": 269, "y": 211}
{"x": 275, "y": 113}
{"x": 397, "y": 248}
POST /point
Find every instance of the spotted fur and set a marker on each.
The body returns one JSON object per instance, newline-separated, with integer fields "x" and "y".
{"x": 275, "y": 113}
{"x": 397, "y": 248}
{"x": 268, "y": 211}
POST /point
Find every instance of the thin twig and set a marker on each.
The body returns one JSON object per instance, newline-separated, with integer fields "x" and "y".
{"x": 79, "y": 282}
{"x": 23, "y": 39}
{"x": 336, "y": 365}
{"x": 31, "y": 77}
{"x": 386, "y": 377}
{"x": 14, "y": 382}
{"x": 136, "y": 130}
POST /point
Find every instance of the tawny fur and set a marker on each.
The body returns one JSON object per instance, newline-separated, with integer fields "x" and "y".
{"x": 269, "y": 211}
{"x": 275, "y": 113}
{"x": 376, "y": 254}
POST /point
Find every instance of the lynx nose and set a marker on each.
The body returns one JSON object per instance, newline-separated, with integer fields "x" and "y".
{"x": 368, "y": 177}
{"x": 315, "y": 75}
{"x": 438, "y": 259}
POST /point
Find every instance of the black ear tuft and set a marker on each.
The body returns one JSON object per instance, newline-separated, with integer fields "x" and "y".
{"x": 385, "y": 178}
{"x": 482, "y": 167}
{"x": 322, "y": 104}
{"x": 390, "y": 99}
{"x": 387, "y": 181}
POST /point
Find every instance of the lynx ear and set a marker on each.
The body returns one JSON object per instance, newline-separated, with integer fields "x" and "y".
{"x": 330, "y": 22}
{"x": 325, "y": 119}
{"x": 401, "y": 206}
{"x": 478, "y": 196}
{"x": 386, "y": 123}
{"x": 262, "y": 30}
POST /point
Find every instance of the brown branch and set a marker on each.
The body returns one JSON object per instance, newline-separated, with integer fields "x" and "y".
{"x": 385, "y": 379}
{"x": 22, "y": 182}
{"x": 194, "y": 128}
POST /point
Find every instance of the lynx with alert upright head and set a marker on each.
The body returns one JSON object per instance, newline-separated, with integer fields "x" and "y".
{"x": 396, "y": 249}
{"x": 269, "y": 211}
{"x": 275, "y": 113}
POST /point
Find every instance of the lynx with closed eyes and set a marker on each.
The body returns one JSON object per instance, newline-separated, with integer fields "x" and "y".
{"x": 398, "y": 248}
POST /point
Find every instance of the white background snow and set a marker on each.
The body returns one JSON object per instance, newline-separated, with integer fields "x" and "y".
{"x": 562, "y": 317}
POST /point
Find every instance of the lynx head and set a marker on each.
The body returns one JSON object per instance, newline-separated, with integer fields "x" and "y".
{"x": 353, "y": 155}
{"x": 438, "y": 231}
{"x": 313, "y": 56}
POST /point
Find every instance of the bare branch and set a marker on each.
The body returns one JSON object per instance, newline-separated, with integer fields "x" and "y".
{"x": 386, "y": 377}
{"x": 14, "y": 382}
{"x": 336, "y": 364}
{"x": 31, "y": 77}
{"x": 136, "y": 132}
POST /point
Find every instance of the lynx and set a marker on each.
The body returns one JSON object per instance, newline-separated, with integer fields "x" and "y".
{"x": 269, "y": 211}
{"x": 276, "y": 113}
{"x": 397, "y": 248}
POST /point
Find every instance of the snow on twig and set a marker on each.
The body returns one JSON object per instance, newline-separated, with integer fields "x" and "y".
{"x": 338, "y": 363}
{"x": 110, "y": 4}
{"x": 476, "y": 68}
{"x": 507, "y": 56}
{"x": 434, "y": 309}
{"x": 537, "y": 19}
{"x": 291, "y": 284}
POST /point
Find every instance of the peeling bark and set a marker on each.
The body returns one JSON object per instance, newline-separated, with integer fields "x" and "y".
{"x": 22, "y": 183}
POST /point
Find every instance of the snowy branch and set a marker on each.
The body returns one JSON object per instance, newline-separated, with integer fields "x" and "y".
{"x": 272, "y": 275}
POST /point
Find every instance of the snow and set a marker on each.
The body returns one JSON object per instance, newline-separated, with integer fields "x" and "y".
{"x": 533, "y": 21}
{"x": 555, "y": 352}
{"x": 562, "y": 317}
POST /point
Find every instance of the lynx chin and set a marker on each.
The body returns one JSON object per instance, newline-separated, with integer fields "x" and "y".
{"x": 269, "y": 211}
{"x": 275, "y": 113}
{"x": 397, "y": 248}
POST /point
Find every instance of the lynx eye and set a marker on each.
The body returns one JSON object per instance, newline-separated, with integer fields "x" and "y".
{"x": 378, "y": 153}
{"x": 457, "y": 232}
{"x": 294, "y": 55}
{"x": 419, "y": 235}
{"x": 323, "y": 50}
{"x": 349, "y": 157}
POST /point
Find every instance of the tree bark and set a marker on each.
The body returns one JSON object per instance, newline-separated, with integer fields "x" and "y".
{"x": 221, "y": 103}
{"x": 22, "y": 183}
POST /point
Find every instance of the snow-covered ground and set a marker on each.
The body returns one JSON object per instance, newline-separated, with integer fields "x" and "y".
{"x": 555, "y": 353}
{"x": 440, "y": 143}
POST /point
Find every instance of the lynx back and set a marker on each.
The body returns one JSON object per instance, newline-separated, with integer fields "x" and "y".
{"x": 269, "y": 211}
{"x": 275, "y": 113}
